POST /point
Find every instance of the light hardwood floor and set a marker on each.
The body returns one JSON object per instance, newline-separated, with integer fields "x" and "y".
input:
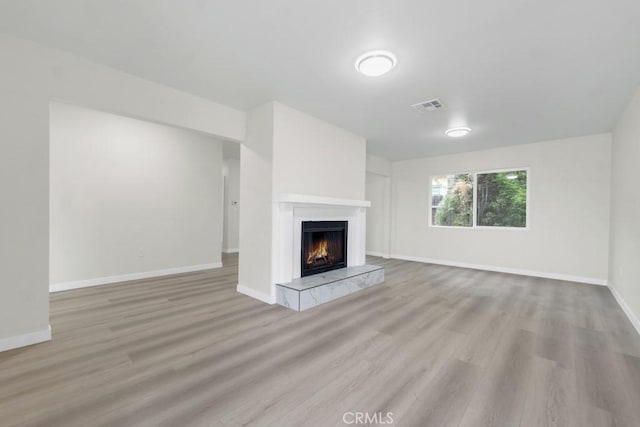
{"x": 434, "y": 345}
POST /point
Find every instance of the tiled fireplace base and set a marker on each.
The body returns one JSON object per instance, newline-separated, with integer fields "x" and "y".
{"x": 310, "y": 291}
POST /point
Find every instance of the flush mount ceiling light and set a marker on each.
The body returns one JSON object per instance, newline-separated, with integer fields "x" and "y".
{"x": 376, "y": 63}
{"x": 511, "y": 175}
{"x": 457, "y": 132}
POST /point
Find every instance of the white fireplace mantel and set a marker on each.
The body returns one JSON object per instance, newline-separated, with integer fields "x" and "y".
{"x": 318, "y": 200}
{"x": 290, "y": 210}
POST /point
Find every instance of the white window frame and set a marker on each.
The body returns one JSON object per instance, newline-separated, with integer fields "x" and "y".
{"x": 474, "y": 225}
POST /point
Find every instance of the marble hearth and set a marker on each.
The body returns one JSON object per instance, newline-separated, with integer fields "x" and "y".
{"x": 307, "y": 292}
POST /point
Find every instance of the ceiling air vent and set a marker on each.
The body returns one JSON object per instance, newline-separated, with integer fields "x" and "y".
{"x": 431, "y": 105}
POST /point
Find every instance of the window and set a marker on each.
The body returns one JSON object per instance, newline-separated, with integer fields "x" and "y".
{"x": 480, "y": 199}
{"x": 452, "y": 200}
{"x": 502, "y": 199}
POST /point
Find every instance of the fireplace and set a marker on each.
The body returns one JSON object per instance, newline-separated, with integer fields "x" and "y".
{"x": 324, "y": 246}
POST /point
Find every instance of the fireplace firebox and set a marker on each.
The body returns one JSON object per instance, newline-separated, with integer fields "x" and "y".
{"x": 324, "y": 246}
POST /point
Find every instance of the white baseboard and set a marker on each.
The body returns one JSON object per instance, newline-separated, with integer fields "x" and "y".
{"x": 230, "y": 251}
{"x": 256, "y": 294}
{"x": 25, "y": 339}
{"x": 65, "y": 286}
{"x": 533, "y": 273}
{"x": 627, "y": 310}
{"x": 380, "y": 254}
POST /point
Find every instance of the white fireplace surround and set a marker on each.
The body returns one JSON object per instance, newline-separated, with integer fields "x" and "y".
{"x": 290, "y": 210}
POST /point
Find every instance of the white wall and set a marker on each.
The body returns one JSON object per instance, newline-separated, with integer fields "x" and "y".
{"x": 316, "y": 158}
{"x": 568, "y": 218}
{"x": 287, "y": 151}
{"x": 129, "y": 196}
{"x": 30, "y": 77}
{"x": 256, "y": 169}
{"x": 378, "y": 215}
{"x": 378, "y": 165}
{"x": 624, "y": 268}
{"x": 231, "y": 172}
{"x": 378, "y": 192}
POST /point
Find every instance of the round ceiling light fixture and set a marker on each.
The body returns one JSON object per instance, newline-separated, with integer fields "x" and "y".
{"x": 457, "y": 132}
{"x": 376, "y": 63}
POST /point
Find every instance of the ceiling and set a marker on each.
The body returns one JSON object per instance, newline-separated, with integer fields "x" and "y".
{"x": 515, "y": 71}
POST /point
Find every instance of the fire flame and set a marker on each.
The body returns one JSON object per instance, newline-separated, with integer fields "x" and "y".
{"x": 319, "y": 252}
